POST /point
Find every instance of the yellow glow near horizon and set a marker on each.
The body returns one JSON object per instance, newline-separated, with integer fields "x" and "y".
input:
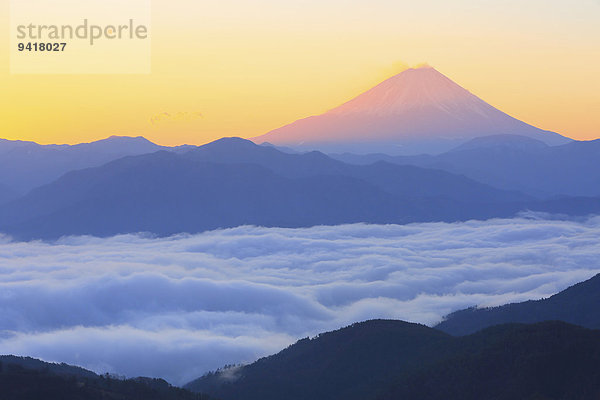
{"x": 244, "y": 68}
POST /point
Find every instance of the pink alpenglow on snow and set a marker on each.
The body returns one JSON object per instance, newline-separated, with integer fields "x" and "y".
{"x": 418, "y": 110}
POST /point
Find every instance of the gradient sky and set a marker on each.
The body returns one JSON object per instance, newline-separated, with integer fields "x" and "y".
{"x": 242, "y": 68}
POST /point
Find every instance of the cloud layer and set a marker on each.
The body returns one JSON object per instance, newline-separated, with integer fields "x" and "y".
{"x": 177, "y": 307}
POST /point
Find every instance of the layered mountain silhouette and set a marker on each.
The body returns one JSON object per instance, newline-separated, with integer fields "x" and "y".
{"x": 513, "y": 162}
{"x": 417, "y": 111}
{"x": 233, "y": 182}
{"x": 576, "y": 305}
{"x": 26, "y": 165}
{"x": 32, "y": 364}
{"x": 7, "y": 194}
{"x": 383, "y": 359}
{"x": 23, "y": 378}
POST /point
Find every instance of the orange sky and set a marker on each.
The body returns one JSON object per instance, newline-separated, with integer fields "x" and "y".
{"x": 241, "y": 68}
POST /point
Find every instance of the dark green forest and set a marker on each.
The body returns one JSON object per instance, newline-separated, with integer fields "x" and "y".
{"x": 576, "y": 305}
{"x": 29, "y": 379}
{"x": 389, "y": 360}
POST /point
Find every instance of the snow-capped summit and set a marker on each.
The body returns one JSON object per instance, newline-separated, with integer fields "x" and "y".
{"x": 417, "y": 110}
{"x": 411, "y": 89}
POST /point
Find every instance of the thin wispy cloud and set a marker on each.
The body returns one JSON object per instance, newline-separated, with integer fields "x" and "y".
{"x": 177, "y": 307}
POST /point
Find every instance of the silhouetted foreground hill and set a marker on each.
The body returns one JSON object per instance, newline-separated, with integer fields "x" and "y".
{"x": 29, "y": 363}
{"x": 545, "y": 361}
{"x": 350, "y": 363}
{"x": 24, "y": 378}
{"x": 579, "y": 305}
{"x": 398, "y": 360}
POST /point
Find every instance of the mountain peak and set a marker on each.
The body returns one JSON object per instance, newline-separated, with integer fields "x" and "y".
{"x": 515, "y": 142}
{"x": 419, "y": 110}
{"x": 120, "y": 144}
{"x": 412, "y": 88}
{"x": 119, "y": 138}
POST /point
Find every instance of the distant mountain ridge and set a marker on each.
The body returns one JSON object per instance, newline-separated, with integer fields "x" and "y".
{"x": 579, "y": 305}
{"x": 233, "y": 182}
{"x": 416, "y": 111}
{"x": 26, "y": 165}
{"x": 512, "y": 163}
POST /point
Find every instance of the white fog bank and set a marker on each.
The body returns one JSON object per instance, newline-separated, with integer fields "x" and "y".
{"x": 178, "y": 307}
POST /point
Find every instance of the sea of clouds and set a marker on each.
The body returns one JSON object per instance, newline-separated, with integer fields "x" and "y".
{"x": 180, "y": 306}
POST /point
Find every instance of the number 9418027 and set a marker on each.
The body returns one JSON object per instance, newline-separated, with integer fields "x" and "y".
{"x": 41, "y": 46}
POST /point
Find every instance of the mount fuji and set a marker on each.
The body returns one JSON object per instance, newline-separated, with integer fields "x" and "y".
{"x": 417, "y": 111}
